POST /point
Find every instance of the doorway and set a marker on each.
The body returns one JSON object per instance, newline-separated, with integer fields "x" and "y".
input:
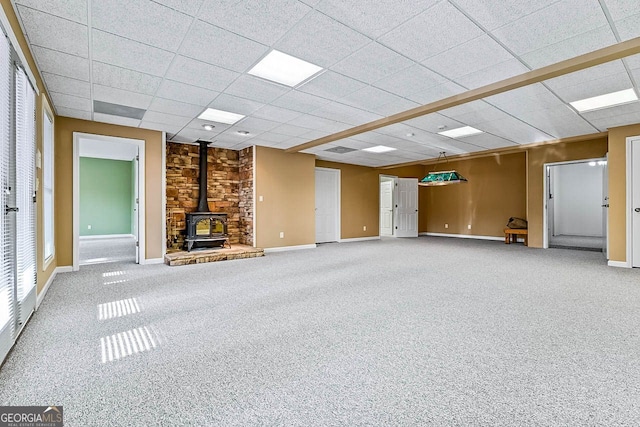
{"x": 387, "y": 187}
{"x": 398, "y": 206}
{"x": 633, "y": 202}
{"x": 108, "y": 200}
{"x": 576, "y": 201}
{"x": 327, "y": 205}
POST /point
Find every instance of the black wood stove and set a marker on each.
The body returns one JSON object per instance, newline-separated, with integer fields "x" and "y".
{"x": 204, "y": 228}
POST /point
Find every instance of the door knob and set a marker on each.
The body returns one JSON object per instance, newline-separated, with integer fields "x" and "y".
{"x": 8, "y": 209}
{"x": 637, "y": 209}
{"x": 605, "y": 206}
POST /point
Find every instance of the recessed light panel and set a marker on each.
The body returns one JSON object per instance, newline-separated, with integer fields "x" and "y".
{"x": 285, "y": 69}
{"x": 604, "y": 101}
{"x": 378, "y": 149}
{"x": 460, "y": 132}
{"x": 220, "y": 116}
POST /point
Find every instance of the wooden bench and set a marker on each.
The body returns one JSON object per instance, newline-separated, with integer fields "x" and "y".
{"x": 511, "y": 235}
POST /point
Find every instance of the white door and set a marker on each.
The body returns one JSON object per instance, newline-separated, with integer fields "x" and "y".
{"x": 407, "y": 208}
{"x": 386, "y": 208}
{"x": 635, "y": 201}
{"x": 605, "y": 208}
{"x": 327, "y": 205}
{"x": 136, "y": 207}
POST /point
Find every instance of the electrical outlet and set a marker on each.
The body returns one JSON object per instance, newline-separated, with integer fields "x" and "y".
{"x": 446, "y": 226}
{"x": 469, "y": 227}
{"x": 260, "y": 198}
{"x": 89, "y": 227}
{"x": 364, "y": 228}
{"x": 282, "y": 234}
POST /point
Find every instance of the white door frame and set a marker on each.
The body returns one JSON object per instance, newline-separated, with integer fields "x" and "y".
{"x": 338, "y": 225}
{"x": 545, "y": 191}
{"x": 629, "y": 210}
{"x": 393, "y": 206}
{"x": 140, "y": 143}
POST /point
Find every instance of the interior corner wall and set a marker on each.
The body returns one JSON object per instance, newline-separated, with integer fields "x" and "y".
{"x": 63, "y": 192}
{"x": 495, "y": 191}
{"x": 617, "y": 166}
{"x": 553, "y": 153}
{"x": 105, "y": 196}
{"x": 43, "y": 274}
{"x": 285, "y": 198}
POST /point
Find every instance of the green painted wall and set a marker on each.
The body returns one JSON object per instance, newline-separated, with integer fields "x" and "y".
{"x": 105, "y": 196}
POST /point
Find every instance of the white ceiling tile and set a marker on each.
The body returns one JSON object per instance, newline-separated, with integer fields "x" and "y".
{"x": 62, "y": 64}
{"x": 197, "y": 124}
{"x": 529, "y": 98}
{"x": 70, "y": 101}
{"x": 436, "y": 93}
{"x": 372, "y": 63}
{"x": 452, "y": 147}
{"x": 256, "y": 89}
{"x": 289, "y": 129}
{"x": 177, "y": 91}
{"x": 570, "y": 47}
{"x": 170, "y": 119}
{"x": 331, "y": 85}
{"x": 190, "y": 7}
{"x": 557, "y": 22}
{"x": 115, "y": 120}
{"x": 122, "y": 78}
{"x": 604, "y": 71}
{"x": 73, "y": 10}
{"x": 492, "y": 74}
{"x": 257, "y": 126}
{"x": 232, "y": 137}
{"x": 181, "y": 139}
{"x": 159, "y": 126}
{"x": 319, "y": 123}
{"x": 346, "y": 114}
{"x": 70, "y": 37}
{"x": 300, "y": 101}
{"x": 432, "y": 122}
{"x": 612, "y": 112}
{"x": 177, "y": 108}
{"x": 313, "y": 134}
{"x": 263, "y": 21}
{"x": 373, "y": 17}
{"x": 223, "y": 48}
{"x": 394, "y": 107}
{"x": 235, "y": 104}
{"x": 321, "y": 40}
{"x": 633, "y": 61}
{"x": 621, "y": 120}
{"x": 121, "y": 97}
{"x": 141, "y": 20}
{"x": 189, "y": 134}
{"x": 410, "y": 81}
{"x": 274, "y": 138}
{"x": 126, "y": 53}
{"x": 69, "y": 86}
{"x": 73, "y": 113}
{"x": 620, "y": 9}
{"x": 474, "y": 55}
{"x": 439, "y": 28}
{"x": 629, "y": 28}
{"x": 493, "y": 14}
{"x": 197, "y": 73}
{"x": 488, "y": 141}
{"x": 473, "y": 113}
{"x": 276, "y": 114}
{"x": 514, "y": 130}
{"x": 595, "y": 87}
{"x": 560, "y": 122}
{"x": 369, "y": 98}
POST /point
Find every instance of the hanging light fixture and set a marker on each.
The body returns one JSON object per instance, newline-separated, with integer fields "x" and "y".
{"x": 442, "y": 177}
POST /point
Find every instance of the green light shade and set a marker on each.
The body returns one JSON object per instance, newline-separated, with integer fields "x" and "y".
{"x": 442, "y": 178}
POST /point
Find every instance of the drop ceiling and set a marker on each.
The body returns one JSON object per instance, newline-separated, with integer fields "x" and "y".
{"x": 174, "y": 58}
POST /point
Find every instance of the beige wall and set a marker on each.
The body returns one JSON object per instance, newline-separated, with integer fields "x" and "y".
{"x": 495, "y": 191}
{"x": 286, "y": 182}
{"x": 42, "y": 274}
{"x": 553, "y": 153}
{"x": 618, "y": 190}
{"x": 65, "y": 127}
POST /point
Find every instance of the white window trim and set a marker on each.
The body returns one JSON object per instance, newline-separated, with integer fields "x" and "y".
{"x": 46, "y": 111}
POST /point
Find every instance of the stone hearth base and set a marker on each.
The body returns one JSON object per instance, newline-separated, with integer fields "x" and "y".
{"x": 212, "y": 255}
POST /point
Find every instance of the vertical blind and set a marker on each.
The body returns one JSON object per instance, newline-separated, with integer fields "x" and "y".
{"x": 25, "y": 189}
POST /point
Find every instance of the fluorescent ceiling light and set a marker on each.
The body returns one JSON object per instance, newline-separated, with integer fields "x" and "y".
{"x": 285, "y": 69}
{"x": 220, "y": 116}
{"x": 460, "y": 132}
{"x": 378, "y": 149}
{"x": 604, "y": 101}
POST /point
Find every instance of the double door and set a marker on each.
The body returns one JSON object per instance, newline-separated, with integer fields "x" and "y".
{"x": 17, "y": 199}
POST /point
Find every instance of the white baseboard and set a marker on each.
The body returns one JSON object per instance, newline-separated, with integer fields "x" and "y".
{"x": 289, "y": 248}
{"x": 44, "y": 290}
{"x": 464, "y": 236}
{"x": 107, "y": 236}
{"x": 622, "y": 264}
{"x": 153, "y": 261}
{"x": 359, "y": 239}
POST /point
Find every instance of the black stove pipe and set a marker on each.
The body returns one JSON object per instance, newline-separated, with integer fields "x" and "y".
{"x": 203, "y": 206}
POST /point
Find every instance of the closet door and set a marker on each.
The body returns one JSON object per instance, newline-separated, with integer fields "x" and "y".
{"x": 7, "y": 288}
{"x": 25, "y": 217}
